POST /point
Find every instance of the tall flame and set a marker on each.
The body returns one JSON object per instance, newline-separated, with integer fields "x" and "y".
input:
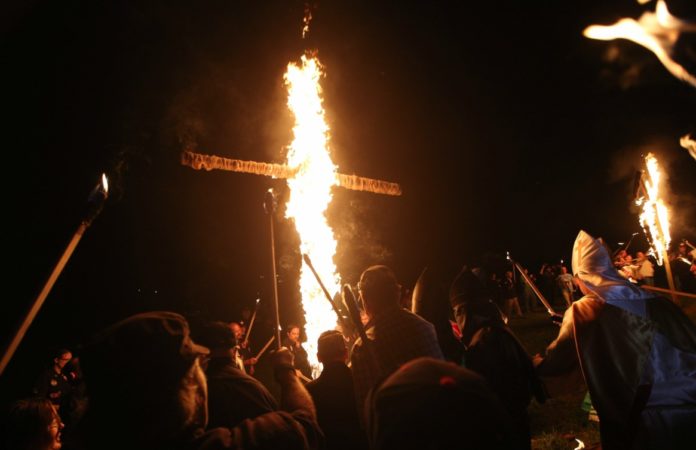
{"x": 655, "y": 218}
{"x": 658, "y": 32}
{"x": 310, "y": 195}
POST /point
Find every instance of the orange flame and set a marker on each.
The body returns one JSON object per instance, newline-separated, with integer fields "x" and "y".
{"x": 658, "y": 32}
{"x": 655, "y": 217}
{"x": 310, "y": 195}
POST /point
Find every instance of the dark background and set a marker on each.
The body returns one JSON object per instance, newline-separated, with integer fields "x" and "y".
{"x": 506, "y": 128}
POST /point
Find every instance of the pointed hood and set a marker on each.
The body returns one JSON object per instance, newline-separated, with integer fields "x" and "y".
{"x": 592, "y": 264}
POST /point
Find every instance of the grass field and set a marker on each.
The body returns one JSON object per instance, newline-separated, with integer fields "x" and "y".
{"x": 557, "y": 423}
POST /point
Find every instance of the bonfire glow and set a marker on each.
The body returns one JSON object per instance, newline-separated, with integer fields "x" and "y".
{"x": 655, "y": 218}
{"x": 310, "y": 195}
{"x": 658, "y": 32}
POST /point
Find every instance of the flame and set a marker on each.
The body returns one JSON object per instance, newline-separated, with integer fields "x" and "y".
{"x": 105, "y": 183}
{"x": 580, "y": 446}
{"x": 688, "y": 143}
{"x": 658, "y": 32}
{"x": 310, "y": 195}
{"x": 655, "y": 217}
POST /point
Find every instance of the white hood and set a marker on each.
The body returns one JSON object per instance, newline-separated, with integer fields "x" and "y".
{"x": 592, "y": 264}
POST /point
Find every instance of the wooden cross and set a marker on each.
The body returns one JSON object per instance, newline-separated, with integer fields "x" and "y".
{"x": 354, "y": 182}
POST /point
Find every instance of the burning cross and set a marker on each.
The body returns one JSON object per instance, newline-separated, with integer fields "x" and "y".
{"x": 310, "y": 175}
{"x": 354, "y": 182}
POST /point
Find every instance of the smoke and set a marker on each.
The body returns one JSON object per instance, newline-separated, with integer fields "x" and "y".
{"x": 359, "y": 242}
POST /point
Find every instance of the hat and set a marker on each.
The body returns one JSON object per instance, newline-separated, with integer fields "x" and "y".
{"x": 331, "y": 344}
{"x": 466, "y": 287}
{"x": 428, "y": 403}
{"x": 216, "y": 335}
{"x": 142, "y": 352}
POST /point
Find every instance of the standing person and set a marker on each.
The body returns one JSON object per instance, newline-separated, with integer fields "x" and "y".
{"x": 566, "y": 284}
{"x": 396, "y": 334}
{"x": 242, "y": 353}
{"x": 232, "y": 394}
{"x": 493, "y": 351}
{"x": 147, "y": 390}
{"x": 646, "y": 269}
{"x": 293, "y": 343}
{"x": 53, "y": 384}
{"x": 333, "y": 393}
{"x": 636, "y": 352}
{"x": 508, "y": 294}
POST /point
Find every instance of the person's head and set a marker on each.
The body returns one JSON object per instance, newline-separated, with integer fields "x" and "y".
{"x": 564, "y": 270}
{"x": 32, "y": 424}
{"x": 595, "y": 272}
{"x": 508, "y": 274}
{"x": 331, "y": 347}
{"x": 628, "y": 259}
{"x": 471, "y": 305}
{"x": 640, "y": 256}
{"x": 237, "y": 330}
{"x": 218, "y": 337}
{"x": 144, "y": 373}
{"x": 435, "y": 404}
{"x": 293, "y": 333}
{"x": 61, "y": 357}
{"x": 379, "y": 289}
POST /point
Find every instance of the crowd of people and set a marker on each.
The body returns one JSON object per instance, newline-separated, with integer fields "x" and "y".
{"x": 156, "y": 381}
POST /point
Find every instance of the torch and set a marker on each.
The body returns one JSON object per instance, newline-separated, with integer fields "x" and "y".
{"x": 251, "y": 323}
{"x": 308, "y": 261}
{"x": 654, "y": 218}
{"x": 540, "y": 296}
{"x": 270, "y": 204}
{"x": 95, "y": 202}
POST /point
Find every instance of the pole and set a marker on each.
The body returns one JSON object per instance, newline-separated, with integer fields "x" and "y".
{"x": 667, "y": 291}
{"x": 270, "y": 207}
{"x": 96, "y": 201}
{"x": 538, "y": 293}
{"x": 670, "y": 278}
{"x": 251, "y": 323}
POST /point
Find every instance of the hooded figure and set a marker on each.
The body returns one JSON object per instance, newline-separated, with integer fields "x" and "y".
{"x": 636, "y": 353}
{"x": 494, "y": 352}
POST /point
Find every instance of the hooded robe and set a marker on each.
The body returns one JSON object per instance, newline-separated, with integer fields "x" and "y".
{"x": 635, "y": 352}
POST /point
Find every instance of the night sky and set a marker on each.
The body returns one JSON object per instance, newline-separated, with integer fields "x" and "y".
{"x": 506, "y": 128}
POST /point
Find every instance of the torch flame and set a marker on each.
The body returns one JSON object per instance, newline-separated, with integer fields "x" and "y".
{"x": 105, "y": 183}
{"x": 580, "y": 446}
{"x": 658, "y": 32}
{"x": 310, "y": 195}
{"x": 655, "y": 218}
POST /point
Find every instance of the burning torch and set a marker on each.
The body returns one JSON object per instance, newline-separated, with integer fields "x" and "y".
{"x": 95, "y": 203}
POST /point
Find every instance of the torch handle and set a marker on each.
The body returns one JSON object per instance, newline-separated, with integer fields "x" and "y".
{"x": 38, "y": 302}
{"x": 265, "y": 347}
{"x": 251, "y": 324}
{"x": 538, "y": 293}
{"x": 326, "y": 291}
{"x": 352, "y": 305}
